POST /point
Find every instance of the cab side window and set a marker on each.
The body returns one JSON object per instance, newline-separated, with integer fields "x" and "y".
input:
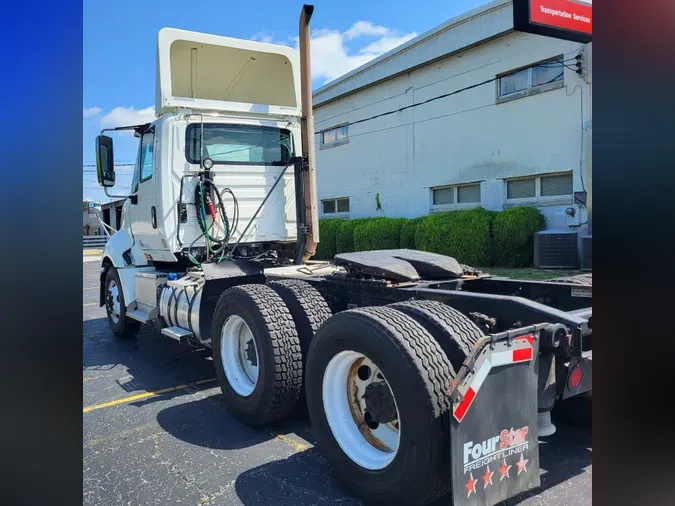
{"x": 147, "y": 146}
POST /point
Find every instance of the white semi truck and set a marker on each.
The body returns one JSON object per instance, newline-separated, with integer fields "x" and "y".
{"x": 421, "y": 376}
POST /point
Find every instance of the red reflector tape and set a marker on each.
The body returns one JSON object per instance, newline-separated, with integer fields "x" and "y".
{"x": 503, "y": 355}
{"x": 529, "y": 338}
{"x": 463, "y": 406}
{"x": 522, "y": 355}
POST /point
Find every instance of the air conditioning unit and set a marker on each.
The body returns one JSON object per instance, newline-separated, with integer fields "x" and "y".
{"x": 586, "y": 253}
{"x": 556, "y": 249}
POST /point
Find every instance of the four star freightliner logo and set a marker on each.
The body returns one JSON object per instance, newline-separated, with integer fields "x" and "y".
{"x": 503, "y": 473}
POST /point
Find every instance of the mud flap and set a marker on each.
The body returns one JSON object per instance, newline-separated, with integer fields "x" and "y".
{"x": 493, "y": 430}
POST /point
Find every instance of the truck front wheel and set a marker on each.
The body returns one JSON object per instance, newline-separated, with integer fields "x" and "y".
{"x": 377, "y": 386}
{"x": 115, "y": 307}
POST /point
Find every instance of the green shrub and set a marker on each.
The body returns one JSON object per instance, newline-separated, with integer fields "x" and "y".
{"x": 408, "y": 233}
{"x": 327, "y": 247}
{"x": 382, "y": 233}
{"x": 513, "y": 236}
{"x": 345, "y": 234}
{"x": 464, "y": 235}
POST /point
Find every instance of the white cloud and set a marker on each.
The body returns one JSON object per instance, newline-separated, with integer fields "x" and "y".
{"x": 128, "y": 116}
{"x": 263, "y": 37}
{"x": 332, "y": 58}
{"x": 365, "y": 28}
{"x": 385, "y": 44}
{"x": 90, "y": 112}
{"x": 333, "y": 51}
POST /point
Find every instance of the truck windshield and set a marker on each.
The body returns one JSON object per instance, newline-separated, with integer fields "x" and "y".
{"x": 239, "y": 144}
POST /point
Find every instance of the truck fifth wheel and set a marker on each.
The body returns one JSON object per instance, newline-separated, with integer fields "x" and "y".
{"x": 422, "y": 377}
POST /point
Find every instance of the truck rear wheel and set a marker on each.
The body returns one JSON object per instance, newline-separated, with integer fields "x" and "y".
{"x": 377, "y": 386}
{"x": 256, "y": 354}
{"x": 307, "y": 306}
{"x": 115, "y": 307}
{"x": 456, "y": 334}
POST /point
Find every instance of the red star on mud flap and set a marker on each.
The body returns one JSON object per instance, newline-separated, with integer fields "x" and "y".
{"x": 521, "y": 464}
{"x": 487, "y": 477}
{"x": 503, "y": 471}
{"x": 471, "y": 485}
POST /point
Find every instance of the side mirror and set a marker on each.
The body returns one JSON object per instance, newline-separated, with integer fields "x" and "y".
{"x": 105, "y": 164}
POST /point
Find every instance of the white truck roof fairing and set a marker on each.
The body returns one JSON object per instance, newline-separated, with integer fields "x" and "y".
{"x": 206, "y": 72}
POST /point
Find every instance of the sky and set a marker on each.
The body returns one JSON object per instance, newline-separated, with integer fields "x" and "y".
{"x": 120, "y": 46}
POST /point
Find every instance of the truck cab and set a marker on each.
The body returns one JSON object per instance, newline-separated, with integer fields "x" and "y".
{"x": 227, "y": 104}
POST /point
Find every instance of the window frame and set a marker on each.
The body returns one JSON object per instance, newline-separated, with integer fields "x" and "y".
{"x": 530, "y": 90}
{"x": 141, "y": 157}
{"x": 136, "y": 178}
{"x": 339, "y": 142}
{"x": 455, "y": 194}
{"x": 191, "y": 126}
{"x": 336, "y": 214}
{"x": 538, "y": 198}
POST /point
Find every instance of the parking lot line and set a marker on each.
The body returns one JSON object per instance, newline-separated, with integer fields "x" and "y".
{"x": 91, "y": 304}
{"x": 297, "y": 446}
{"x": 145, "y": 395}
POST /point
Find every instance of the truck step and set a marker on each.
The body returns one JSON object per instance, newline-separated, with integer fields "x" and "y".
{"x": 177, "y": 333}
{"x": 139, "y": 315}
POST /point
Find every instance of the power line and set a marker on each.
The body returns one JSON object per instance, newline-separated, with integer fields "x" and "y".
{"x": 549, "y": 64}
{"x": 116, "y": 165}
{"x": 119, "y": 173}
{"x": 423, "y": 120}
{"x": 99, "y": 188}
{"x": 401, "y": 109}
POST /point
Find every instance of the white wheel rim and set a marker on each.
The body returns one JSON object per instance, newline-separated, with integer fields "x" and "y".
{"x": 239, "y": 355}
{"x": 371, "y": 446}
{"x": 113, "y": 302}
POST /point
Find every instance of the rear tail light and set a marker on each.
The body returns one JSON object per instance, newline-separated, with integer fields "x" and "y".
{"x": 576, "y": 376}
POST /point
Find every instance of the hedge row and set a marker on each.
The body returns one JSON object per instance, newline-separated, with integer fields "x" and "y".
{"x": 474, "y": 237}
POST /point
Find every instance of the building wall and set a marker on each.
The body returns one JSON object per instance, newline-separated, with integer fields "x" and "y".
{"x": 465, "y": 138}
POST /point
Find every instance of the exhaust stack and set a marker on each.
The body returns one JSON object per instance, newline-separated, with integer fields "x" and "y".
{"x": 311, "y": 217}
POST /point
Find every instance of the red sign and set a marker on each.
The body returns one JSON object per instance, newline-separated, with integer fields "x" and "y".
{"x": 572, "y": 15}
{"x": 563, "y": 19}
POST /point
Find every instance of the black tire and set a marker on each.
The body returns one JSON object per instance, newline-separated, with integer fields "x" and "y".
{"x": 125, "y": 326}
{"x": 456, "y": 333}
{"x": 419, "y": 375}
{"x": 307, "y": 306}
{"x": 309, "y": 311}
{"x": 280, "y": 360}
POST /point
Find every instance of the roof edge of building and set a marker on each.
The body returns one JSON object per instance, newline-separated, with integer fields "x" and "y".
{"x": 420, "y": 39}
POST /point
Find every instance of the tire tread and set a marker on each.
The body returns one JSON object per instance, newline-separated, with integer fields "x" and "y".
{"x": 456, "y": 333}
{"x": 285, "y": 344}
{"x": 433, "y": 368}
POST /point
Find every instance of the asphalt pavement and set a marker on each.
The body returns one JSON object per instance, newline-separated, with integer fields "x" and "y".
{"x": 156, "y": 433}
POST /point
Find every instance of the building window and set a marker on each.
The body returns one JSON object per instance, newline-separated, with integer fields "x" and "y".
{"x": 335, "y": 206}
{"x": 444, "y": 196}
{"x": 554, "y": 185}
{"x": 521, "y": 189}
{"x": 468, "y": 194}
{"x": 451, "y": 195}
{"x": 543, "y": 76}
{"x": 335, "y": 136}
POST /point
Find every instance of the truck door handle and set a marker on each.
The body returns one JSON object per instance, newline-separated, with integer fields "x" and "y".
{"x": 153, "y": 212}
